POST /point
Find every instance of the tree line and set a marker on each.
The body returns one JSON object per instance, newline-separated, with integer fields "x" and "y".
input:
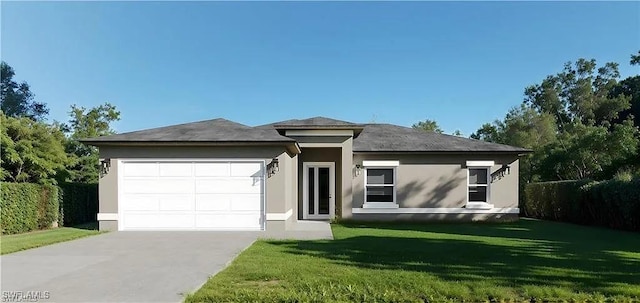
{"x": 581, "y": 123}
{"x": 37, "y": 151}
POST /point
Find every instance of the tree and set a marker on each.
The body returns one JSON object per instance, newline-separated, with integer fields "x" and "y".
{"x": 17, "y": 98}
{"x": 87, "y": 123}
{"x": 458, "y": 133}
{"x": 587, "y": 151}
{"x": 581, "y": 92}
{"x": 32, "y": 151}
{"x": 489, "y": 132}
{"x": 428, "y": 125}
{"x": 630, "y": 87}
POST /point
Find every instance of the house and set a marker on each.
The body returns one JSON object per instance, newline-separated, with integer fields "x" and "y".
{"x": 222, "y": 175}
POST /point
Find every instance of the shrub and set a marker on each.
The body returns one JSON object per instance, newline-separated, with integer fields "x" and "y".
{"x": 25, "y": 207}
{"x": 79, "y": 203}
{"x": 613, "y": 203}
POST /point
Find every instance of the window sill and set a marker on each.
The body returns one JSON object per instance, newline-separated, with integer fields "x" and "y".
{"x": 479, "y": 205}
{"x": 380, "y": 205}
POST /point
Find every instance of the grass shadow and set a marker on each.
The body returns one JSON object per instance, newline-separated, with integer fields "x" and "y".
{"x": 510, "y": 254}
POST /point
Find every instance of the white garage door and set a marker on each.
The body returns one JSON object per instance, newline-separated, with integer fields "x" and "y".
{"x": 196, "y": 195}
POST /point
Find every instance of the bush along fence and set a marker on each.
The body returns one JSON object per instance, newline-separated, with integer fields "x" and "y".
{"x": 612, "y": 203}
{"x": 25, "y": 206}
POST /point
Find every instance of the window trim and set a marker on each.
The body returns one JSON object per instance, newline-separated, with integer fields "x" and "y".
{"x": 477, "y": 204}
{"x": 392, "y": 204}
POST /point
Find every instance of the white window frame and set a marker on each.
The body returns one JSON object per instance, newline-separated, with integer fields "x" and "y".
{"x": 392, "y": 204}
{"x": 475, "y": 204}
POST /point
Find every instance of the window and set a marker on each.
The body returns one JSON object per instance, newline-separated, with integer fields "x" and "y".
{"x": 380, "y": 185}
{"x": 478, "y": 186}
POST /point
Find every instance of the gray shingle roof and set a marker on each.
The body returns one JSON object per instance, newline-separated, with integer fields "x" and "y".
{"x": 372, "y": 138}
{"x": 394, "y": 138}
{"x": 216, "y": 130}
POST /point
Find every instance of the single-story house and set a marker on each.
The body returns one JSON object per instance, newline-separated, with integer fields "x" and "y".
{"x": 222, "y": 175}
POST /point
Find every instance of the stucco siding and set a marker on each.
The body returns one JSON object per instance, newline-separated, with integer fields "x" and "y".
{"x": 440, "y": 181}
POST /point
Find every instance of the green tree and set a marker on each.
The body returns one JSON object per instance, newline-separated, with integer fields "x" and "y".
{"x": 32, "y": 151}
{"x": 17, "y": 98}
{"x": 489, "y": 132}
{"x": 87, "y": 123}
{"x": 581, "y": 92}
{"x": 589, "y": 151}
{"x": 457, "y": 132}
{"x": 428, "y": 125}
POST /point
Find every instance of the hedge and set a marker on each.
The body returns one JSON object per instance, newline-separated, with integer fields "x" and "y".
{"x": 79, "y": 203}
{"x": 25, "y": 207}
{"x": 611, "y": 203}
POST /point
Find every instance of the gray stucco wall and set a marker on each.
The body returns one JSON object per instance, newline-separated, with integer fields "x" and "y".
{"x": 440, "y": 181}
{"x": 279, "y": 199}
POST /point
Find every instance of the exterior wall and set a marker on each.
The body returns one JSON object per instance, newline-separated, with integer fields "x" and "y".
{"x": 438, "y": 181}
{"x": 278, "y": 199}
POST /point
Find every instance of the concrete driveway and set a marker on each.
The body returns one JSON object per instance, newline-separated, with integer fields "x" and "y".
{"x": 122, "y": 266}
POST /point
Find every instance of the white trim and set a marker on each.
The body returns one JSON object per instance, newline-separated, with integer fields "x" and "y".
{"x": 380, "y": 163}
{"x": 319, "y": 144}
{"x": 480, "y": 163}
{"x": 479, "y": 205}
{"x": 279, "y": 216}
{"x": 107, "y": 216}
{"x": 434, "y": 211}
{"x": 380, "y": 205}
{"x": 319, "y": 132}
{"x": 305, "y": 190}
{"x": 125, "y": 160}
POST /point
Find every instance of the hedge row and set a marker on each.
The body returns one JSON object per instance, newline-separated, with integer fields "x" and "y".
{"x": 79, "y": 203}
{"x": 25, "y": 207}
{"x": 611, "y": 203}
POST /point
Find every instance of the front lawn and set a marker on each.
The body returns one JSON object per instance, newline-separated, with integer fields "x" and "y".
{"x": 438, "y": 262}
{"x": 13, "y": 243}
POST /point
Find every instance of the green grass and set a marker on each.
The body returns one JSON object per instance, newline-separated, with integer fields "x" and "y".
{"x": 13, "y": 243}
{"x": 511, "y": 262}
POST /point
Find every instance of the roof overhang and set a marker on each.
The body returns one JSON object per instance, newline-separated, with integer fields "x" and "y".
{"x": 292, "y": 147}
{"x": 357, "y": 129}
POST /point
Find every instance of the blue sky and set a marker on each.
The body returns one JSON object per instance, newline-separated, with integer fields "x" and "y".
{"x": 163, "y": 63}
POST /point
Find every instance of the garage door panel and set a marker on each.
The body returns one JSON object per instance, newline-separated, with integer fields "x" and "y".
{"x": 246, "y": 202}
{"x": 191, "y": 195}
{"x": 213, "y": 202}
{"x": 230, "y": 185}
{"x": 213, "y": 169}
{"x": 140, "y": 170}
{"x": 176, "y": 202}
{"x": 159, "y": 221}
{"x": 176, "y": 169}
{"x": 251, "y": 169}
{"x": 224, "y": 221}
{"x": 140, "y": 202}
{"x": 158, "y": 186}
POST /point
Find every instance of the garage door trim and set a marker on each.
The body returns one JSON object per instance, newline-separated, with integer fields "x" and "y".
{"x": 121, "y": 162}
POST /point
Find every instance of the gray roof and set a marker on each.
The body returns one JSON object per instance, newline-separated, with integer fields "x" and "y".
{"x": 216, "y": 130}
{"x": 315, "y": 122}
{"x": 394, "y": 138}
{"x": 368, "y": 137}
